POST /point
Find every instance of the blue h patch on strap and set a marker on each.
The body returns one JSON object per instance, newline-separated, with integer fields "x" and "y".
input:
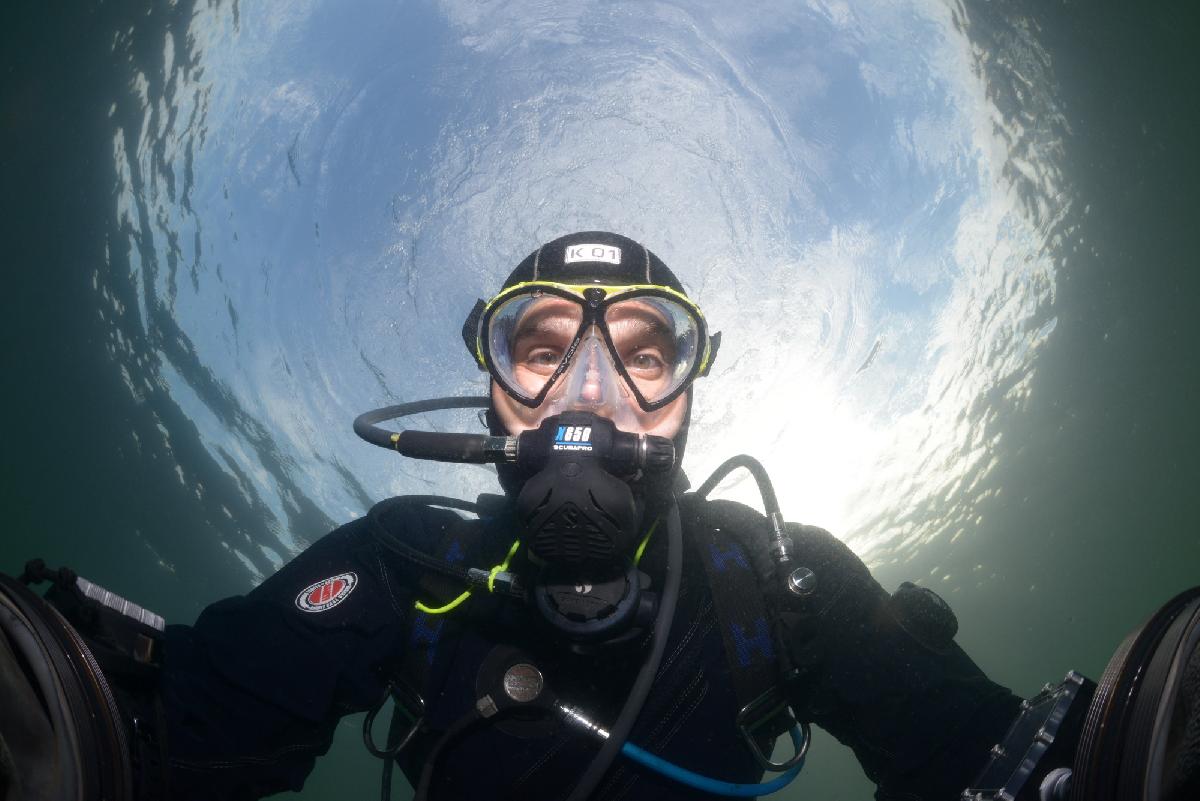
{"x": 426, "y": 629}
{"x": 746, "y": 644}
{"x": 721, "y": 559}
{"x": 425, "y": 632}
{"x": 454, "y": 553}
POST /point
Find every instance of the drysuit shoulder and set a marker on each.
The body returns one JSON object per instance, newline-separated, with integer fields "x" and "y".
{"x": 413, "y": 520}
{"x": 837, "y": 569}
{"x": 429, "y": 546}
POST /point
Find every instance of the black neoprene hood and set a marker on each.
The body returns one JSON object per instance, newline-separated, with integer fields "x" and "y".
{"x": 587, "y": 258}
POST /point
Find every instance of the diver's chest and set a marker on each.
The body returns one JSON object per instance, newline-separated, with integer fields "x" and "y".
{"x": 688, "y": 716}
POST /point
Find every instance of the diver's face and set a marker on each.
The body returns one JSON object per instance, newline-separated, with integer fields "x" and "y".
{"x": 591, "y": 382}
{"x": 664, "y": 422}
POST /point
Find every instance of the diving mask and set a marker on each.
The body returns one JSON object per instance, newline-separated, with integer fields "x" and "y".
{"x": 570, "y": 347}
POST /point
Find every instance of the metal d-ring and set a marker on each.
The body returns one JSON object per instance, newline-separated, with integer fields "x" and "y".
{"x": 406, "y": 699}
{"x": 757, "y": 714}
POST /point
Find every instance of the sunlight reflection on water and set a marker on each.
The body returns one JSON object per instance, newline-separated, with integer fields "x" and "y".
{"x": 312, "y": 201}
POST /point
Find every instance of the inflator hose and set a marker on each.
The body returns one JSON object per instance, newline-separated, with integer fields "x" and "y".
{"x": 641, "y": 685}
{"x": 421, "y": 444}
{"x": 765, "y": 489}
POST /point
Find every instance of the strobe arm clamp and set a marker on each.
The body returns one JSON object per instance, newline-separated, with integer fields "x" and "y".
{"x": 1123, "y": 738}
{"x": 1032, "y": 762}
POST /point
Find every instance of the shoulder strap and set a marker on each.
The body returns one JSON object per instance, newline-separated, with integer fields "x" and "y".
{"x": 722, "y": 531}
{"x": 427, "y": 534}
{"x": 424, "y": 533}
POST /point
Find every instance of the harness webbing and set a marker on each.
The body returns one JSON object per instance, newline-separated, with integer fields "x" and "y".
{"x": 422, "y": 668}
{"x": 742, "y": 616}
{"x": 719, "y": 536}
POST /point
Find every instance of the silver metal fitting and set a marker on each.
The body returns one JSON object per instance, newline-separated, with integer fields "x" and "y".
{"x": 501, "y": 449}
{"x": 781, "y": 543}
{"x": 1056, "y": 786}
{"x": 523, "y": 682}
{"x": 802, "y": 581}
{"x": 486, "y": 707}
{"x": 504, "y": 581}
{"x": 119, "y": 604}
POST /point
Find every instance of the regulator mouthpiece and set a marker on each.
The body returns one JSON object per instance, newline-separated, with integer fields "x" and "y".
{"x": 622, "y": 452}
{"x": 577, "y": 508}
{"x": 582, "y": 521}
{"x": 580, "y": 513}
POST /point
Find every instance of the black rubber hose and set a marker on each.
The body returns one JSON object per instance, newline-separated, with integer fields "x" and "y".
{"x": 765, "y": 489}
{"x": 645, "y": 678}
{"x": 419, "y": 557}
{"x": 385, "y": 780}
{"x": 456, "y": 730}
{"x": 389, "y": 761}
{"x": 365, "y": 425}
{"x": 441, "y": 447}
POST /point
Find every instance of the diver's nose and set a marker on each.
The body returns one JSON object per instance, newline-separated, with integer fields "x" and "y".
{"x": 592, "y": 391}
{"x": 589, "y": 388}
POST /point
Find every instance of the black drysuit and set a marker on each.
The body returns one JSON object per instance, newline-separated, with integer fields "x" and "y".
{"x": 254, "y": 689}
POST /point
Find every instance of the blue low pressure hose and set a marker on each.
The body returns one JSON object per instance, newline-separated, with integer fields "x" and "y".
{"x": 695, "y": 780}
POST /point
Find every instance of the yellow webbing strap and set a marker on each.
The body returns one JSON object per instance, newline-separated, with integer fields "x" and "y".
{"x": 637, "y": 557}
{"x": 491, "y": 582}
{"x": 439, "y": 610}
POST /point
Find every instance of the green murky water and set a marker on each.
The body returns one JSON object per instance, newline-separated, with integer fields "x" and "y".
{"x": 957, "y": 264}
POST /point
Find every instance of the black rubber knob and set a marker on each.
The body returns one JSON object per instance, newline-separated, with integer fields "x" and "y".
{"x": 659, "y": 455}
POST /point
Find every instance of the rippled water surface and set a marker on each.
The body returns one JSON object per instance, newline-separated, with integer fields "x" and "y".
{"x": 945, "y": 244}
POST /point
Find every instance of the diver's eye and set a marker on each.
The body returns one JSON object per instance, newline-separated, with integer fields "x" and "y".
{"x": 542, "y": 359}
{"x": 646, "y": 364}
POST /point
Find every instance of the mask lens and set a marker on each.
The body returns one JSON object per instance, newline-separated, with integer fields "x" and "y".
{"x": 658, "y": 342}
{"x": 528, "y": 336}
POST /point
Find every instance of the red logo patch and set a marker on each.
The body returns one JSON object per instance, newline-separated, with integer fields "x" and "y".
{"x": 326, "y": 593}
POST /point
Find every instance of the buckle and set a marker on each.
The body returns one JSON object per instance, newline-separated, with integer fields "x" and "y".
{"x": 759, "y": 714}
{"x": 405, "y": 699}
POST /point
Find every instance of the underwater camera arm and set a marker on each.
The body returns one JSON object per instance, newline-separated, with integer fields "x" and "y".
{"x": 80, "y": 714}
{"x": 1134, "y": 736}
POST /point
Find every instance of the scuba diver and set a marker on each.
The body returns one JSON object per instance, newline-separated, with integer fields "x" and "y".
{"x": 515, "y": 644}
{"x": 598, "y": 631}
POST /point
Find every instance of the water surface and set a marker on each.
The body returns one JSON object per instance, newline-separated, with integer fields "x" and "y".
{"x": 947, "y": 246}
